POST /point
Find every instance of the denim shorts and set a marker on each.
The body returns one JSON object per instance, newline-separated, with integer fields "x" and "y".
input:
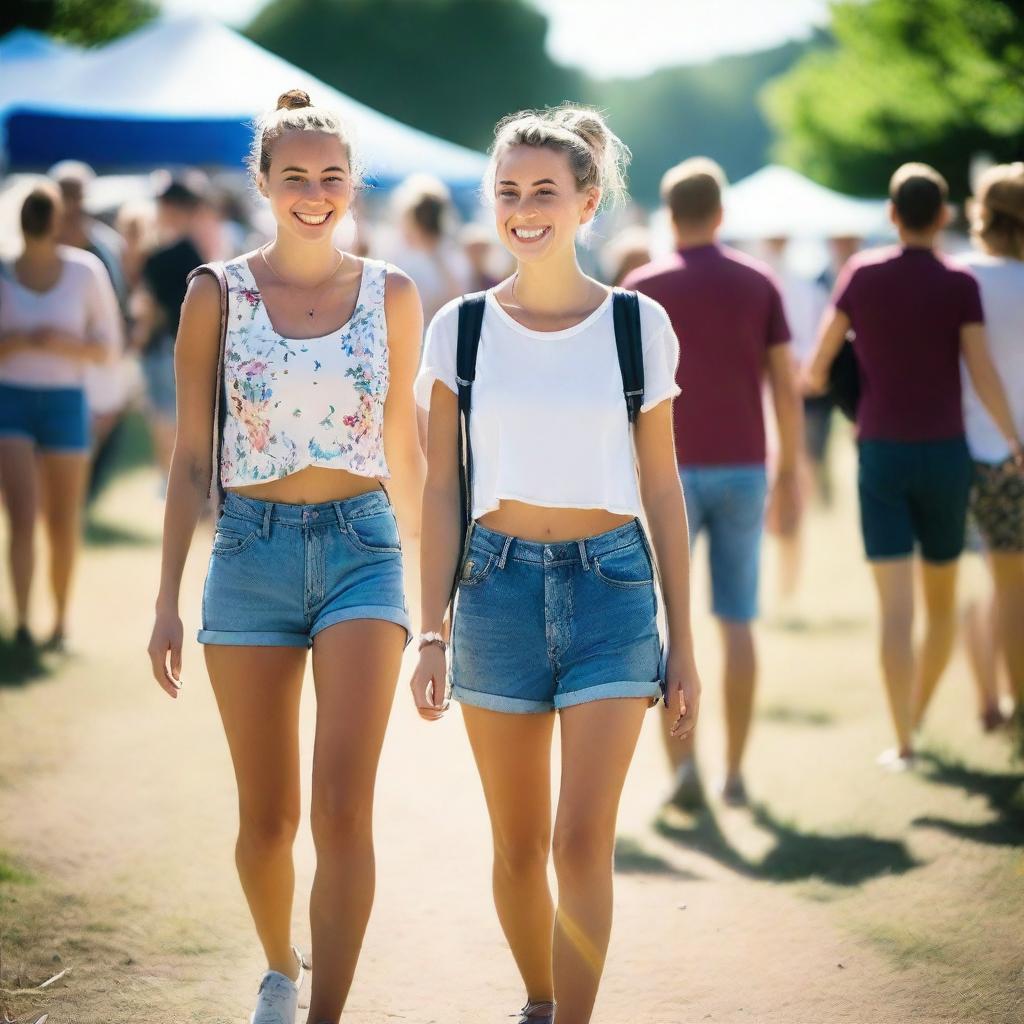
{"x": 914, "y": 493}
{"x": 547, "y": 626}
{"x": 728, "y": 502}
{"x": 279, "y": 574}
{"x": 158, "y": 371}
{"x": 54, "y": 419}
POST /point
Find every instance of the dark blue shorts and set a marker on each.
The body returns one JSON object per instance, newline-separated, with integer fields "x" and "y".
{"x": 914, "y": 494}
{"x": 53, "y": 419}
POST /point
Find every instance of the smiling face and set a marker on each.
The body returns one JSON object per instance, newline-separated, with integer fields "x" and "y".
{"x": 538, "y": 207}
{"x": 308, "y": 183}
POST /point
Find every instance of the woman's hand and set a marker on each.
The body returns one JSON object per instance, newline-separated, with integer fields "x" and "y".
{"x": 428, "y": 683}
{"x": 167, "y": 639}
{"x": 682, "y": 692}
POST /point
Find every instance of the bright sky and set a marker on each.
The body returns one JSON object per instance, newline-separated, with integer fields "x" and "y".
{"x": 609, "y": 38}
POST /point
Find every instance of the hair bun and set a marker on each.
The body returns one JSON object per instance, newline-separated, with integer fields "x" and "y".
{"x": 293, "y": 99}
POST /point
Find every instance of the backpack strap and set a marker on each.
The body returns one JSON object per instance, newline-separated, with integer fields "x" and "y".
{"x": 216, "y": 271}
{"x": 471, "y": 318}
{"x": 629, "y": 345}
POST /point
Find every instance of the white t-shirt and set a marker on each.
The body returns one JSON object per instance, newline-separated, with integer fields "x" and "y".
{"x": 549, "y": 424}
{"x": 82, "y": 302}
{"x": 1002, "y": 298}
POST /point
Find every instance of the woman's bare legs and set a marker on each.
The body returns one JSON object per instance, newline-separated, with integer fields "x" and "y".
{"x": 21, "y": 500}
{"x": 355, "y": 668}
{"x": 1008, "y": 574}
{"x": 513, "y": 756}
{"x": 258, "y": 691}
{"x": 598, "y": 741}
{"x": 64, "y": 477}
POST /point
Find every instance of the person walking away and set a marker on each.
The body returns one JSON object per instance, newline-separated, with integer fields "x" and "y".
{"x": 728, "y": 315}
{"x": 997, "y": 497}
{"x": 913, "y": 314}
{"x": 58, "y": 316}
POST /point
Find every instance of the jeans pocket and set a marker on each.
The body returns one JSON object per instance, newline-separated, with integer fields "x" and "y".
{"x": 233, "y": 535}
{"x": 377, "y": 534}
{"x": 627, "y": 568}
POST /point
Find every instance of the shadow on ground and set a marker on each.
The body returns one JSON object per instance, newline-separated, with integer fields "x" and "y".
{"x": 784, "y": 714}
{"x": 1004, "y": 793}
{"x": 20, "y": 665}
{"x": 100, "y": 534}
{"x": 796, "y": 855}
{"x": 632, "y": 859}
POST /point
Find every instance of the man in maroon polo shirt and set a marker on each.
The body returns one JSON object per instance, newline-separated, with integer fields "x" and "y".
{"x": 913, "y": 314}
{"x": 727, "y": 313}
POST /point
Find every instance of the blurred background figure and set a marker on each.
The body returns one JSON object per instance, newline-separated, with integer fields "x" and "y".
{"x": 107, "y": 383}
{"x": 625, "y": 252}
{"x": 995, "y": 628}
{"x": 804, "y": 300}
{"x": 733, "y": 339}
{"x": 182, "y": 213}
{"x": 425, "y": 247}
{"x": 58, "y": 316}
{"x": 483, "y": 256}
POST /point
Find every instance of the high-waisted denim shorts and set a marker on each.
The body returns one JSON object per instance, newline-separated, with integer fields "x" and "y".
{"x": 54, "y": 419}
{"x": 548, "y": 626}
{"x": 279, "y": 574}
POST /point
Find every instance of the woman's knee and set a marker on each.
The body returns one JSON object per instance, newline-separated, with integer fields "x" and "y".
{"x": 268, "y": 831}
{"x": 339, "y": 824}
{"x": 583, "y": 847}
{"x": 522, "y": 855}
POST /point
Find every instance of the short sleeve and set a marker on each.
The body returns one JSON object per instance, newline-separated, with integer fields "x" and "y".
{"x": 777, "y": 328}
{"x": 661, "y": 354}
{"x": 439, "y": 350}
{"x": 973, "y": 312}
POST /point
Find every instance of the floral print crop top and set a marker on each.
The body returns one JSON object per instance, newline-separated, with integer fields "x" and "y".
{"x": 310, "y": 402}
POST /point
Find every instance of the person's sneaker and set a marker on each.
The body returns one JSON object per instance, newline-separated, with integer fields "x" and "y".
{"x": 894, "y": 761}
{"x": 688, "y": 794}
{"x": 277, "y": 1000}
{"x": 536, "y": 1013}
{"x": 23, "y": 639}
{"x": 734, "y": 792}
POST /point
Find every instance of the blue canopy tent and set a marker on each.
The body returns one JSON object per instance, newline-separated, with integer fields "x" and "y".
{"x": 28, "y": 44}
{"x": 184, "y": 91}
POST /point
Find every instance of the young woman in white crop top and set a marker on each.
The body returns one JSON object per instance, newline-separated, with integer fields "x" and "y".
{"x": 310, "y": 418}
{"x": 556, "y": 599}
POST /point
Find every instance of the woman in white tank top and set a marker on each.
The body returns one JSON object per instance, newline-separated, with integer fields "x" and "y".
{"x": 556, "y": 605}
{"x": 312, "y": 417}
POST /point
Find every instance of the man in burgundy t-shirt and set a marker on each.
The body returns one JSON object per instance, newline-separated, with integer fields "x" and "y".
{"x": 913, "y": 315}
{"x": 727, "y": 313}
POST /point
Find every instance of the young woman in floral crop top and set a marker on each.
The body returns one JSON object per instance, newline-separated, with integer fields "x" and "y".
{"x": 312, "y": 416}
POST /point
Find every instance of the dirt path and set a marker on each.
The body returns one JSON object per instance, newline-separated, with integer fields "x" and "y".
{"x": 849, "y": 896}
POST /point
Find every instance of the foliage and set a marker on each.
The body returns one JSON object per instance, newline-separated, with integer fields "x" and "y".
{"x": 84, "y": 22}
{"x": 931, "y": 80}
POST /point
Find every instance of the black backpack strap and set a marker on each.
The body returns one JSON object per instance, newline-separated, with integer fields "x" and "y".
{"x": 220, "y": 408}
{"x": 630, "y": 347}
{"x": 471, "y": 318}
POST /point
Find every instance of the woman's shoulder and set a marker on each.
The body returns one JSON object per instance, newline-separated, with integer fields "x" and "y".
{"x": 653, "y": 317}
{"x": 82, "y": 264}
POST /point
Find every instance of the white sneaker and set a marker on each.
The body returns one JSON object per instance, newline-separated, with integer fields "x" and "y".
{"x": 893, "y": 761}
{"x": 277, "y": 1000}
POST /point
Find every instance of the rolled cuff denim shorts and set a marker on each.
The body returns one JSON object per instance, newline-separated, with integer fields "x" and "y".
{"x": 539, "y": 627}
{"x": 279, "y": 574}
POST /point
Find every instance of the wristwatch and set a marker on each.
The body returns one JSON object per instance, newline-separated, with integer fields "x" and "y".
{"x": 425, "y": 639}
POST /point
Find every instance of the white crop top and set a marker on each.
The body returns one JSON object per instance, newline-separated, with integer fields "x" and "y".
{"x": 549, "y": 424}
{"x": 311, "y": 402}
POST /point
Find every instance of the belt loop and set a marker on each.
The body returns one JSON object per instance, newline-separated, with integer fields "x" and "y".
{"x": 339, "y": 514}
{"x": 583, "y": 555}
{"x": 504, "y": 553}
{"x": 266, "y": 520}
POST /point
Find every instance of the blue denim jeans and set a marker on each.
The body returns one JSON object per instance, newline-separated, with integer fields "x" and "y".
{"x": 548, "y": 626}
{"x": 279, "y": 574}
{"x": 728, "y": 502}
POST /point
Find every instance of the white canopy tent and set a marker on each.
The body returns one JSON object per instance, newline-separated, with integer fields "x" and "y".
{"x": 184, "y": 91}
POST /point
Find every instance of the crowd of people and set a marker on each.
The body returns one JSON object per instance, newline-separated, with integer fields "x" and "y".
{"x": 508, "y": 414}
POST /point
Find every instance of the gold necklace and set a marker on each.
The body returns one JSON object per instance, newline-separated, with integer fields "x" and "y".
{"x": 311, "y": 312}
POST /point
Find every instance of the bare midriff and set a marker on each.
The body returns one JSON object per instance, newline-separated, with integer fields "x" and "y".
{"x": 550, "y": 525}
{"x": 310, "y": 486}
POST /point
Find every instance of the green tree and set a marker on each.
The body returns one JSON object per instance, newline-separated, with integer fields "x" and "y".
{"x": 931, "y": 80}
{"x": 84, "y": 22}
{"x": 450, "y": 67}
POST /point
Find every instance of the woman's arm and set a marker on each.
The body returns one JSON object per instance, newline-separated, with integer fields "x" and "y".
{"x": 401, "y": 441}
{"x": 72, "y": 346}
{"x": 439, "y": 549}
{"x": 985, "y": 378}
{"x": 835, "y": 325}
{"x": 196, "y": 352}
{"x": 784, "y": 502}
{"x": 662, "y": 497}
{"x": 17, "y": 341}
